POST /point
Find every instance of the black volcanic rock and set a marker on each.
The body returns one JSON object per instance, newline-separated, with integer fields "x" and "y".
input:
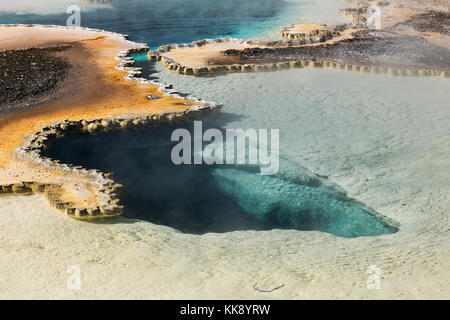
{"x": 29, "y": 72}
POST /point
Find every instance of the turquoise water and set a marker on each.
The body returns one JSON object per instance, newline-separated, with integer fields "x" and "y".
{"x": 159, "y": 22}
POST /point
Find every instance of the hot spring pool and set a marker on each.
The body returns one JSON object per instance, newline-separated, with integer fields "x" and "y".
{"x": 351, "y": 130}
{"x": 219, "y": 198}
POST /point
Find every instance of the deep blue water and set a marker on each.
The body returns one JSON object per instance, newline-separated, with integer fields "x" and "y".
{"x": 201, "y": 198}
{"x": 158, "y": 22}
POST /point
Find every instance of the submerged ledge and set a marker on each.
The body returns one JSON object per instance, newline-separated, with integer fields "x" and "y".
{"x": 81, "y": 193}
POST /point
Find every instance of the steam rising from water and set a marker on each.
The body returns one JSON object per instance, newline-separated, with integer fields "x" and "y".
{"x": 221, "y": 198}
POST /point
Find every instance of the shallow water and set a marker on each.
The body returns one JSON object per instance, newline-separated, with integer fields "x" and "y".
{"x": 338, "y": 111}
{"x": 364, "y": 132}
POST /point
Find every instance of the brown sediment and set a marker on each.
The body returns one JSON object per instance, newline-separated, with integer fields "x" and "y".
{"x": 424, "y": 51}
{"x": 94, "y": 97}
